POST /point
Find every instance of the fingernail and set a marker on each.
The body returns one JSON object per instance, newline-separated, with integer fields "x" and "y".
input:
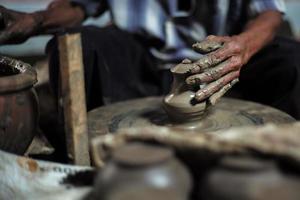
{"x": 186, "y": 61}
{"x": 193, "y": 81}
{"x": 235, "y": 81}
{"x": 199, "y": 96}
{"x": 190, "y": 81}
{"x": 195, "y": 69}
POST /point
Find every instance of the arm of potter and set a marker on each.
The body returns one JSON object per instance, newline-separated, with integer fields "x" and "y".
{"x": 220, "y": 68}
{"x": 16, "y": 27}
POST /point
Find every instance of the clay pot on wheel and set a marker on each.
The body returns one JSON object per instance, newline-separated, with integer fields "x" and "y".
{"x": 179, "y": 104}
{"x": 18, "y": 105}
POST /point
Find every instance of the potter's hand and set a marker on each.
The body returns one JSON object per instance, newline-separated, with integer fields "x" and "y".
{"x": 17, "y": 27}
{"x": 219, "y": 69}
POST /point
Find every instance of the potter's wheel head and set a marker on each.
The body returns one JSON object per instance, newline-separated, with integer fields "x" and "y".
{"x": 179, "y": 108}
{"x": 145, "y": 112}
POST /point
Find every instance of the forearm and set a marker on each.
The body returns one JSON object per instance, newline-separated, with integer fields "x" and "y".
{"x": 260, "y": 31}
{"x": 59, "y": 14}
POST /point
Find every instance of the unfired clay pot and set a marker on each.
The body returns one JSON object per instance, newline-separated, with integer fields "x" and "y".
{"x": 18, "y": 105}
{"x": 247, "y": 178}
{"x": 179, "y": 103}
{"x": 142, "y": 171}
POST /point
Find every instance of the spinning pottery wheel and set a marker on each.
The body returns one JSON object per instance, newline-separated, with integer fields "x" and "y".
{"x": 149, "y": 112}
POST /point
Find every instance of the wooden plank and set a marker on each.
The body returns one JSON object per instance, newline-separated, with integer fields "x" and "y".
{"x": 73, "y": 96}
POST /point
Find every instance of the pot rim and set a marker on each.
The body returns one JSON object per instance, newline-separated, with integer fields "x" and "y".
{"x": 25, "y": 78}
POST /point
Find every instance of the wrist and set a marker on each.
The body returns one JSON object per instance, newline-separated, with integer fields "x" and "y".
{"x": 248, "y": 48}
{"x": 253, "y": 42}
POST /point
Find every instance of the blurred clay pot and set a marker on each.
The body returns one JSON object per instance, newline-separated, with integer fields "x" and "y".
{"x": 142, "y": 171}
{"x": 18, "y": 105}
{"x": 249, "y": 178}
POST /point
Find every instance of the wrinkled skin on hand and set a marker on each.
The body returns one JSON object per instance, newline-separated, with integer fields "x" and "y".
{"x": 17, "y": 27}
{"x": 219, "y": 69}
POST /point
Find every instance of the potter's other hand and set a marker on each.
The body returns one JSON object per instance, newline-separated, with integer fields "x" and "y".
{"x": 219, "y": 69}
{"x": 17, "y": 27}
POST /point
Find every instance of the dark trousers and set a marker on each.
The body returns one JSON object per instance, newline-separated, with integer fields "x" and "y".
{"x": 118, "y": 67}
{"x": 272, "y": 77}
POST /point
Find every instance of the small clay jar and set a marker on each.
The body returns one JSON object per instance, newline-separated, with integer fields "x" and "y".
{"x": 179, "y": 103}
{"x": 247, "y": 178}
{"x": 18, "y": 105}
{"x": 142, "y": 171}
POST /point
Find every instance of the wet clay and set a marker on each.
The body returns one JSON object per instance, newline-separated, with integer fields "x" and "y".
{"x": 179, "y": 104}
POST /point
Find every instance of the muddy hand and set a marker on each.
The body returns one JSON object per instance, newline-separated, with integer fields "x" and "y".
{"x": 17, "y": 27}
{"x": 220, "y": 68}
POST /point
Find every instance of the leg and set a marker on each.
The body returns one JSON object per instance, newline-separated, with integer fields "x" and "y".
{"x": 272, "y": 77}
{"x": 116, "y": 68}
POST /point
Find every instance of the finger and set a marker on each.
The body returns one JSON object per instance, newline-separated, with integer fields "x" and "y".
{"x": 220, "y": 39}
{"x": 213, "y": 99}
{"x": 206, "y": 46}
{"x": 214, "y": 73}
{"x": 205, "y": 62}
{"x": 183, "y": 67}
{"x": 215, "y": 86}
{"x": 227, "y": 50}
{"x": 210, "y": 60}
{"x": 211, "y": 43}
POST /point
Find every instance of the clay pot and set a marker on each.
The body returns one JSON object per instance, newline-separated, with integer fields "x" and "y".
{"x": 178, "y": 104}
{"x": 18, "y": 105}
{"x": 249, "y": 179}
{"x": 140, "y": 171}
